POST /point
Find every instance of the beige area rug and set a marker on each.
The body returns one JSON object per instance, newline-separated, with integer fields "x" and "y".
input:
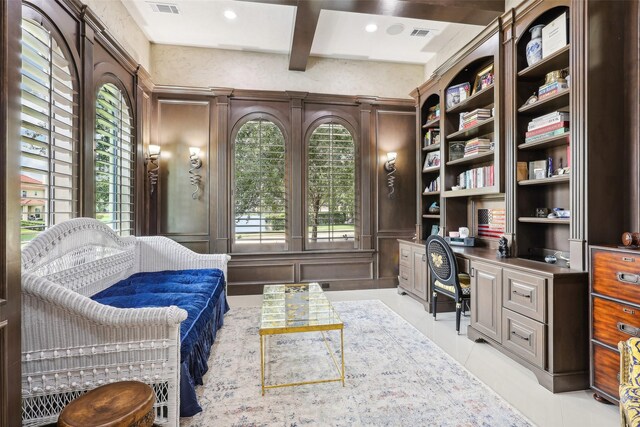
{"x": 395, "y": 376}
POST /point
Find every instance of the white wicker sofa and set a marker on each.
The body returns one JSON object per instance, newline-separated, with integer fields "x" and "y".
{"x": 71, "y": 344}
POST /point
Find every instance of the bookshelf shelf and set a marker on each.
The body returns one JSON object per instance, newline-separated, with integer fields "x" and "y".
{"x": 477, "y": 100}
{"x": 473, "y": 159}
{"x": 435, "y": 123}
{"x": 554, "y": 102}
{"x": 555, "y": 61}
{"x": 470, "y": 192}
{"x": 430, "y": 193}
{"x": 552, "y": 141}
{"x": 432, "y": 147}
{"x": 482, "y": 128}
{"x": 429, "y": 216}
{"x": 534, "y": 220}
{"x": 560, "y": 179}
{"x": 431, "y": 169}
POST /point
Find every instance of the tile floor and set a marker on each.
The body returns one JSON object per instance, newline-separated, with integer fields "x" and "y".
{"x": 513, "y": 382}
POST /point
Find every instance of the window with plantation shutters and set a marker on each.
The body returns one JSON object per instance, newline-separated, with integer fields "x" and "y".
{"x": 331, "y": 188}
{"x": 48, "y": 134}
{"x": 114, "y": 160}
{"x": 259, "y": 193}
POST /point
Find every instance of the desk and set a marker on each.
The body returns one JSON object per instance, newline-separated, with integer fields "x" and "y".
{"x": 536, "y": 313}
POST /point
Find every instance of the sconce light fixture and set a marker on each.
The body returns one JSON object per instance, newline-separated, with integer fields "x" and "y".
{"x": 196, "y": 163}
{"x": 153, "y": 167}
{"x": 390, "y": 167}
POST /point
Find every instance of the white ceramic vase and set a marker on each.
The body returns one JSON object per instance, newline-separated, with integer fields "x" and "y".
{"x": 534, "y": 47}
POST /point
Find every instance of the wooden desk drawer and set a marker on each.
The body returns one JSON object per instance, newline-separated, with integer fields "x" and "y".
{"x": 524, "y": 294}
{"x": 606, "y": 368}
{"x": 405, "y": 255}
{"x": 616, "y": 274}
{"x": 524, "y": 337}
{"x": 614, "y": 322}
{"x": 404, "y": 277}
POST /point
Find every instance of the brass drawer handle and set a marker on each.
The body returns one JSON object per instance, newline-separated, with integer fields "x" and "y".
{"x": 628, "y": 310}
{"x": 405, "y": 277}
{"x": 522, "y": 295}
{"x": 628, "y": 329}
{"x": 424, "y": 257}
{"x": 628, "y": 278}
{"x": 628, "y": 259}
{"x": 519, "y": 336}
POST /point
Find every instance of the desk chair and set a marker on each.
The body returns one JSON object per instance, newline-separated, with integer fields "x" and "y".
{"x": 446, "y": 280}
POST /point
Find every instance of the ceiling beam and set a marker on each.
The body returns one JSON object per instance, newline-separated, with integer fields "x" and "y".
{"x": 307, "y": 14}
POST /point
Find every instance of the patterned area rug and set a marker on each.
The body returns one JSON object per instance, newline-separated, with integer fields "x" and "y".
{"x": 395, "y": 376}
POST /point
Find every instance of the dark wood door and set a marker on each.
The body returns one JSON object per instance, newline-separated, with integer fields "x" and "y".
{"x": 10, "y": 15}
{"x": 486, "y": 300}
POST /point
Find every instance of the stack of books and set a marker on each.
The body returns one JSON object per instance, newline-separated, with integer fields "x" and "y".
{"x": 432, "y": 136}
{"x": 551, "y": 89}
{"x": 474, "y": 117}
{"x": 477, "y": 146}
{"x": 551, "y": 124}
{"x": 477, "y": 178}
{"x": 433, "y": 186}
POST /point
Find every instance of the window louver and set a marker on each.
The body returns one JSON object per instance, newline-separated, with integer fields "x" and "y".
{"x": 114, "y": 160}
{"x": 48, "y": 139}
{"x": 331, "y": 185}
{"x": 259, "y": 184}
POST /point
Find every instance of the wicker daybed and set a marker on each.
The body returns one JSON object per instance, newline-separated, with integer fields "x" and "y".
{"x": 72, "y": 343}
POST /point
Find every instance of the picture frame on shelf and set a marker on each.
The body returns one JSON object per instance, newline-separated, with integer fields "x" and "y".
{"x": 432, "y": 159}
{"x": 483, "y": 80}
{"x": 554, "y": 35}
{"x": 456, "y": 94}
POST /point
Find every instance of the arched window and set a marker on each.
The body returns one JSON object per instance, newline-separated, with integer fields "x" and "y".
{"x": 48, "y": 134}
{"x": 259, "y": 188}
{"x": 331, "y": 188}
{"x": 114, "y": 160}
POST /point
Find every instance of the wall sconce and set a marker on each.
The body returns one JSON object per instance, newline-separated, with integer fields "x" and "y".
{"x": 390, "y": 167}
{"x": 196, "y": 163}
{"x": 153, "y": 167}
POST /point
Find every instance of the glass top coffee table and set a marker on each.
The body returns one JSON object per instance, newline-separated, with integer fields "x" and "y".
{"x": 288, "y": 309}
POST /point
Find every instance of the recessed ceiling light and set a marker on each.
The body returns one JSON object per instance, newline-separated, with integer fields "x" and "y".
{"x": 230, "y": 14}
{"x": 371, "y": 28}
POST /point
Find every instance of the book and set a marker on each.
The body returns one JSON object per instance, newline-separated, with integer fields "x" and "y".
{"x": 547, "y": 128}
{"x": 552, "y": 120}
{"x": 555, "y": 86}
{"x": 550, "y": 94}
{"x": 553, "y": 115}
{"x": 547, "y": 135}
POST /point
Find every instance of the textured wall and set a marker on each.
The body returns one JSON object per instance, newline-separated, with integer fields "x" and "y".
{"x": 191, "y": 66}
{"x": 456, "y": 41}
{"x": 123, "y": 28}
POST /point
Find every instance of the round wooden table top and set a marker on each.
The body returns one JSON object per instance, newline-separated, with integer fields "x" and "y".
{"x": 124, "y": 403}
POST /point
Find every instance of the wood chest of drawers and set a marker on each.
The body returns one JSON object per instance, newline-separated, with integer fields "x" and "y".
{"x": 615, "y": 313}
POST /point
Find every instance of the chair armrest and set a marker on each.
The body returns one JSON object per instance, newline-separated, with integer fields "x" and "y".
{"x": 92, "y": 311}
{"x": 624, "y": 362}
{"x": 159, "y": 253}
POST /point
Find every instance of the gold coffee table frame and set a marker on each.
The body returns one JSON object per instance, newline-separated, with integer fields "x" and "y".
{"x": 288, "y": 309}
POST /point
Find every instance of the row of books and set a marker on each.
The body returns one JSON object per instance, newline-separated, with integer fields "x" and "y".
{"x": 551, "y": 89}
{"x": 552, "y": 124}
{"x": 474, "y": 117}
{"x": 477, "y": 178}
{"x": 477, "y": 146}
{"x": 433, "y": 186}
{"x": 432, "y": 136}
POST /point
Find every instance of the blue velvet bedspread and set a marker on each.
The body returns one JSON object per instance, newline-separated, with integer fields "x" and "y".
{"x": 201, "y": 294}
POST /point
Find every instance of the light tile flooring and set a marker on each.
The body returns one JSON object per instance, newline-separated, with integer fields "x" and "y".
{"x": 513, "y": 382}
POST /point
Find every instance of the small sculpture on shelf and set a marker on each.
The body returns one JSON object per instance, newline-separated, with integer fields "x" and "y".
{"x": 503, "y": 248}
{"x": 434, "y": 209}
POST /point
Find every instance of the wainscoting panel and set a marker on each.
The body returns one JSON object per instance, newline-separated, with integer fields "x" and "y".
{"x": 261, "y": 273}
{"x": 345, "y": 270}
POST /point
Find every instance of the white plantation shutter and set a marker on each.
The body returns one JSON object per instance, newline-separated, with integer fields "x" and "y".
{"x": 114, "y": 160}
{"x": 260, "y": 200}
{"x": 331, "y": 187}
{"x": 48, "y": 135}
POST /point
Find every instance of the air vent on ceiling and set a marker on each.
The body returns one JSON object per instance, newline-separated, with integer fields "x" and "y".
{"x": 420, "y": 32}
{"x": 165, "y": 8}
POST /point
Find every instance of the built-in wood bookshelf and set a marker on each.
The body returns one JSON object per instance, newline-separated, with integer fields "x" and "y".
{"x": 430, "y": 146}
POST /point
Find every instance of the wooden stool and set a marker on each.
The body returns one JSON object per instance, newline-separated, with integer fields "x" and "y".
{"x": 125, "y": 403}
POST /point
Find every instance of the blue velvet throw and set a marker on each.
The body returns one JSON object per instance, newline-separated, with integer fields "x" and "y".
{"x": 201, "y": 294}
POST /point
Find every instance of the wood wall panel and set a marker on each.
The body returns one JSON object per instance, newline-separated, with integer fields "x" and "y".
{"x": 262, "y": 273}
{"x": 345, "y": 270}
{"x": 183, "y": 124}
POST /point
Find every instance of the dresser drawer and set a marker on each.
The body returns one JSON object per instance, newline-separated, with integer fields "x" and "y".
{"x": 404, "y": 277}
{"x": 524, "y": 337}
{"x": 524, "y": 294}
{"x": 606, "y": 370}
{"x": 405, "y": 255}
{"x": 614, "y": 322}
{"x": 616, "y": 274}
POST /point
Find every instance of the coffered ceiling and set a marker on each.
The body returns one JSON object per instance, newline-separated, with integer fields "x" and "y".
{"x": 354, "y": 29}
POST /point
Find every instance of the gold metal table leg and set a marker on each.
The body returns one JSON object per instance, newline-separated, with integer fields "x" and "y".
{"x": 262, "y": 362}
{"x": 342, "y": 353}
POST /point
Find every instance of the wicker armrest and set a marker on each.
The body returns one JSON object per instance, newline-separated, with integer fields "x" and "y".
{"x": 624, "y": 362}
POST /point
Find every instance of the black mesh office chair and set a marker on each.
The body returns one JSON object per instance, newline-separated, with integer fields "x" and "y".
{"x": 445, "y": 277}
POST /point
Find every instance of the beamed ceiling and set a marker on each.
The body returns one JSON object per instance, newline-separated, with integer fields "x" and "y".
{"x": 326, "y": 28}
